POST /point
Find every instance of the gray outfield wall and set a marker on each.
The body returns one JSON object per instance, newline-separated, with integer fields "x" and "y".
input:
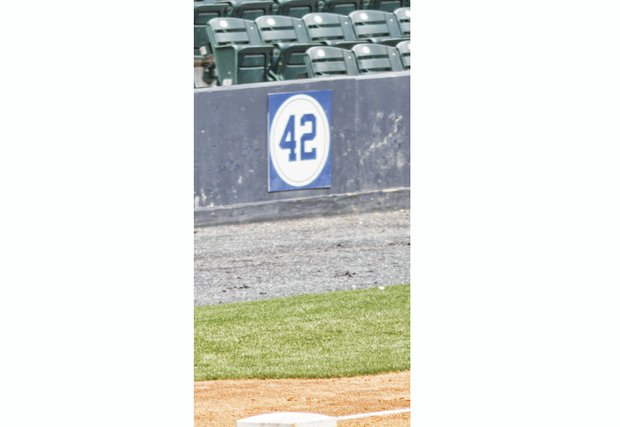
{"x": 369, "y": 142}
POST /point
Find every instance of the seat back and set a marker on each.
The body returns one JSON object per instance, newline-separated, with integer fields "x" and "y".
{"x": 375, "y": 24}
{"x": 403, "y": 16}
{"x": 251, "y": 9}
{"x": 376, "y": 58}
{"x": 324, "y": 27}
{"x": 232, "y": 31}
{"x": 386, "y": 5}
{"x": 297, "y": 8}
{"x": 204, "y": 11}
{"x": 240, "y": 54}
{"x": 291, "y": 36}
{"x": 404, "y": 48}
{"x": 282, "y": 29}
{"x": 341, "y": 7}
{"x": 330, "y": 61}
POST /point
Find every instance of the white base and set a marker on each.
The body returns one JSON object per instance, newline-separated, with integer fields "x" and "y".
{"x": 288, "y": 419}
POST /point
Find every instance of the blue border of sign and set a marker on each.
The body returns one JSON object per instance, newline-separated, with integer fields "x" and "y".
{"x": 324, "y": 180}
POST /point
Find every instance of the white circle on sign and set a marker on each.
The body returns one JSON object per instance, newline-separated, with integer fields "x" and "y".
{"x": 223, "y": 24}
{"x": 320, "y": 53}
{"x": 271, "y": 21}
{"x": 318, "y": 19}
{"x": 364, "y": 16}
{"x": 309, "y": 123}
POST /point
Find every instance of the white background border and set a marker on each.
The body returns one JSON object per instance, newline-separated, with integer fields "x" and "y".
{"x": 96, "y": 170}
{"x": 516, "y": 230}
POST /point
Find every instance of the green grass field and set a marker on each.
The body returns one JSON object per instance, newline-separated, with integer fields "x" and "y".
{"x": 335, "y": 334}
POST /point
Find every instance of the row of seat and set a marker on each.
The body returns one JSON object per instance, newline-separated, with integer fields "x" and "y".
{"x": 324, "y": 61}
{"x": 356, "y": 21}
{"x": 363, "y": 58}
{"x": 251, "y": 9}
{"x": 242, "y": 47}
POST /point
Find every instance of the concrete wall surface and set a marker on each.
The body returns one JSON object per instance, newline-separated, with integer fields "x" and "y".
{"x": 370, "y": 137}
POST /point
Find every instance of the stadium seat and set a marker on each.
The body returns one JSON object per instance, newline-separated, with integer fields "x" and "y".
{"x": 330, "y": 61}
{"x": 251, "y": 9}
{"x": 291, "y": 39}
{"x": 341, "y": 7}
{"x": 297, "y": 8}
{"x": 386, "y": 5}
{"x": 239, "y": 52}
{"x": 204, "y": 11}
{"x": 376, "y": 26}
{"x": 404, "y": 48}
{"x": 376, "y": 58}
{"x": 331, "y": 29}
{"x": 403, "y": 15}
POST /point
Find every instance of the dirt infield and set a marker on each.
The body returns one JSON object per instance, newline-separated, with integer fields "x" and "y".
{"x": 221, "y": 403}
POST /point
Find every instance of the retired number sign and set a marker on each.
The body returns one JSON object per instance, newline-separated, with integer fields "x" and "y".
{"x": 299, "y": 140}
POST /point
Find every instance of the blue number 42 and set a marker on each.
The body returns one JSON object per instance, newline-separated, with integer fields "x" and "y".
{"x": 288, "y": 138}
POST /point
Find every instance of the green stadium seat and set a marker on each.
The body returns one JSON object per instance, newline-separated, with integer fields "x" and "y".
{"x": 404, "y": 48}
{"x": 291, "y": 39}
{"x": 331, "y": 29}
{"x": 296, "y": 8}
{"x": 341, "y": 7}
{"x": 330, "y": 61}
{"x": 376, "y": 58}
{"x": 239, "y": 52}
{"x": 377, "y": 26}
{"x": 251, "y": 9}
{"x": 385, "y": 5}
{"x": 403, "y": 15}
{"x": 204, "y": 11}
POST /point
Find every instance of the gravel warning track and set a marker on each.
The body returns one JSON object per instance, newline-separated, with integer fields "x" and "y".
{"x": 234, "y": 263}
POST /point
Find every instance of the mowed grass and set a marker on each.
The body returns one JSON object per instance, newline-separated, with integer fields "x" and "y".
{"x": 335, "y": 334}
